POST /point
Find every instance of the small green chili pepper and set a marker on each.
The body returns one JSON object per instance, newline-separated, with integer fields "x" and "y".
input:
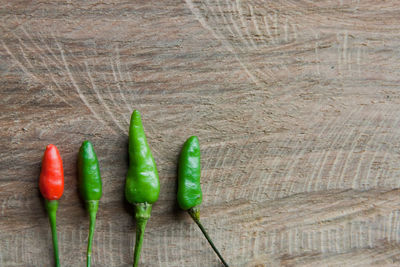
{"x": 189, "y": 190}
{"x": 142, "y": 183}
{"x": 90, "y": 187}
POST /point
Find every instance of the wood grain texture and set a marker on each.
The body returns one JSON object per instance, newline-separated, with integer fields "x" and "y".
{"x": 296, "y": 104}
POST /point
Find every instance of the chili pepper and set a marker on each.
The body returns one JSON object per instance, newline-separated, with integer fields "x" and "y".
{"x": 89, "y": 187}
{"x": 142, "y": 186}
{"x": 189, "y": 190}
{"x": 51, "y": 185}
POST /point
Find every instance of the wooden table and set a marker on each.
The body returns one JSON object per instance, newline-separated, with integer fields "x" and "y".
{"x": 296, "y": 104}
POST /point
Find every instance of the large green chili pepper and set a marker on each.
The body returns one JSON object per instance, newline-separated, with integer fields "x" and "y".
{"x": 189, "y": 189}
{"x": 142, "y": 184}
{"x": 89, "y": 187}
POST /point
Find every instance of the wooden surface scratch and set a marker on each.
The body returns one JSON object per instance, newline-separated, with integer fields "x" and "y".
{"x": 296, "y": 105}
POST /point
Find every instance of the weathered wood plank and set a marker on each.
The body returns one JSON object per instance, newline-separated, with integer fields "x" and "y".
{"x": 296, "y": 105}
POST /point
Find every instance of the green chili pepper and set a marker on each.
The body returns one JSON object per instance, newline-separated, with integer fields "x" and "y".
{"x": 142, "y": 184}
{"x": 89, "y": 187}
{"x": 189, "y": 190}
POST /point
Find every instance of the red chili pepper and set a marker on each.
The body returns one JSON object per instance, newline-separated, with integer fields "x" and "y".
{"x": 51, "y": 181}
{"x": 51, "y": 184}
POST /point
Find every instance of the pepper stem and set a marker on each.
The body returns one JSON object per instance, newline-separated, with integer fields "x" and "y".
{"x": 51, "y": 208}
{"x": 92, "y": 206}
{"x": 195, "y": 214}
{"x": 142, "y": 215}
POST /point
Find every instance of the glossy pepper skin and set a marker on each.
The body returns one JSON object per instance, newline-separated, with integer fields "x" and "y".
{"x": 90, "y": 187}
{"x": 142, "y": 186}
{"x": 189, "y": 189}
{"x": 51, "y": 181}
{"x": 51, "y": 185}
{"x": 189, "y": 194}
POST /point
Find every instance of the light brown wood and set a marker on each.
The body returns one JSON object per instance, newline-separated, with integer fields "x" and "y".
{"x": 296, "y": 104}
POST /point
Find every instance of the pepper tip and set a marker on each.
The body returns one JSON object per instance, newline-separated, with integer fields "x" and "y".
{"x": 135, "y": 112}
{"x": 49, "y": 146}
{"x": 135, "y": 116}
{"x": 86, "y": 147}
{"x": 193, "y": 140}
{"x": 86, "y": 143}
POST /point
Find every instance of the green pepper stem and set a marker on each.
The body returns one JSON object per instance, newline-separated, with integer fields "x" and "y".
{"x": 51, "y": 207}
{"x": 195, "y": 214}
{"x": 142, "y": 215}
{"x": 140, "y": 228}
{"x": 92, "y": 206}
